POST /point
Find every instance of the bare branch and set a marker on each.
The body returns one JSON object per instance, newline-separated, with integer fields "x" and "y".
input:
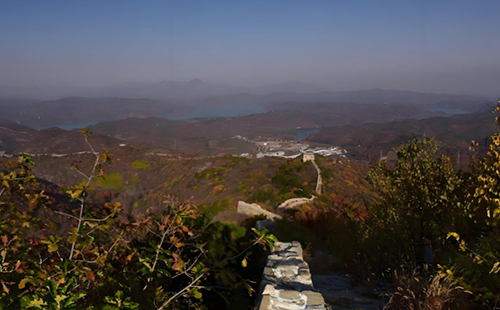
{"x": 179, "y": 293}
{"x": 189, "y": 268}
{"x": 90, "y": 145}
{"x": 66, "y": 214}
{"x": 78, "y": 170}
{"x": 97, "y": 220}
{"x": 156, "y": 258}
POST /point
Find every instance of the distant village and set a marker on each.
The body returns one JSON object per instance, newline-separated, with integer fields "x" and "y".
{"x": 268, "y": 147}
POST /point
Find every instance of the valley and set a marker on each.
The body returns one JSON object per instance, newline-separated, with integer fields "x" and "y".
{"x": 220, "y": 164}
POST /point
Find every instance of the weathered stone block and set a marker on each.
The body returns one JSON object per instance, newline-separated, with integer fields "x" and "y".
{"x": 289, "y": 295}
{"x": 265, "y": 303}
{"x": 314, "y": 298}
{"x": 269, "y": 290}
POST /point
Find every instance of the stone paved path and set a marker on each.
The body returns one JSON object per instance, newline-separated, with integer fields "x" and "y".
{"x": 338, "y": 292}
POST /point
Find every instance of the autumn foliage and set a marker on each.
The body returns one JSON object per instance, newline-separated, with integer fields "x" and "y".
{"x": 171, "y": 257}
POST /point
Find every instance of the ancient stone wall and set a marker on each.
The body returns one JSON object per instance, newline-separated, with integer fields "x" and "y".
{"x": 286, "y": 281}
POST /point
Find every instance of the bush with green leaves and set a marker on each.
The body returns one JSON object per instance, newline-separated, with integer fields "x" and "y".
{"x": 423, "y": 198}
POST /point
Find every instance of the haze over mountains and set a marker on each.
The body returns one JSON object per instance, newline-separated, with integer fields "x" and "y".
{"x": 167, "y": 99}
{"x": 365, "y": 122}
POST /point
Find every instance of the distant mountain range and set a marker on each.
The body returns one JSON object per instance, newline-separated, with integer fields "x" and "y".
{"x": 198, "y": 89}
{"x": 83, "y": 109}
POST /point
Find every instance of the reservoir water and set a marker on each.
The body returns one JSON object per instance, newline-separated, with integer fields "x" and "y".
{"x": 216, "y": 112}
{"x": 449, "y": 111}
{"x": 70, "y": 126}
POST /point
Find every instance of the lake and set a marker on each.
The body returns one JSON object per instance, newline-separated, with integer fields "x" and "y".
{"x": 218, "y": 112}
{"x": 449, "y": 111}
{"x": 70, "y": 126}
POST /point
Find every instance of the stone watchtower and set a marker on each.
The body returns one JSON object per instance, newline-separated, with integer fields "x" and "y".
{"x": 307, "y": 156}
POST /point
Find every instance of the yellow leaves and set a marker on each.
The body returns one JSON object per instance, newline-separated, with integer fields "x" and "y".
{"x": 496, "y": 268}
{"x": 130, "y": 256}
{"x": 37, "y": 303}
{"x": 23, "y": 282}
{"x": 52, "y": 243}
{"x": 60, "y": 298}
{"x": 461, "y": 243}
{"x": 449, "y": 273}
{"x": 496, "y": 139}
{"x": 52, "y": 247}
{"x": 244, "y": 263}
{"x": 72, "y": 238}
{"x": 104, "y": 157}
{"x": 454, "y": 235}
{"x": 76, "y": 193}
{"x": 473, "y": 145}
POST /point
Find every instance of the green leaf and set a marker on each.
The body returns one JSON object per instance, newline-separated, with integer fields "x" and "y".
{"x": 145, "y": 263}
{"x": 196, "y": 293}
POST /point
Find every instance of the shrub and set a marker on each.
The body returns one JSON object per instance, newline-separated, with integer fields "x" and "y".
{"x": 435, "y": 292}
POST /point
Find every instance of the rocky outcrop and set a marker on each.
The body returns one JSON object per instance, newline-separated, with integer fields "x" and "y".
{"x": 286, "y": 282}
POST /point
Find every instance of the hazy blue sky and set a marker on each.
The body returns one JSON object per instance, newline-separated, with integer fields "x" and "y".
{"x": 52, "y": 48}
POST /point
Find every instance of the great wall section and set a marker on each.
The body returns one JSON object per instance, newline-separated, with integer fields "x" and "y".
{"x": 286, "y": 281}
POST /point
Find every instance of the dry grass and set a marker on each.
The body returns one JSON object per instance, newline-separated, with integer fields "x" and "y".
{"x": 437, "y": 292}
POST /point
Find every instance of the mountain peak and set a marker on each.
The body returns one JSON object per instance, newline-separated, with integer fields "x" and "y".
{"x": 196, "y": 81}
